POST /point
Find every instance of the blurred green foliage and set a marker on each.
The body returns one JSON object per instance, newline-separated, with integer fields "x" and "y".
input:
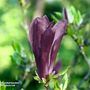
{"x": 13, "y": 34}
{"x": 2, "y": 87}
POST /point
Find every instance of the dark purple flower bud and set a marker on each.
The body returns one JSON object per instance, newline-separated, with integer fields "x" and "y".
{"x": 65, "y": 16}
{"x": 58, "y": 67}
{"x": 45, "y": 40}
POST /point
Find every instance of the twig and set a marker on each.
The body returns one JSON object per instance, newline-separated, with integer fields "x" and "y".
{"x": 25, "y": 20}
{"x": 46, "y": 87}
{"x": 26, "y": 26}
{"x": 24, "y": 76}
{"x": 84, "y": 55}
{"x": 84, "y": 79}
{"x": 75, "y": 59}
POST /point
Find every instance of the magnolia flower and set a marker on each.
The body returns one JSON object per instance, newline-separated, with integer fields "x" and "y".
{"x": 45, "y": 40}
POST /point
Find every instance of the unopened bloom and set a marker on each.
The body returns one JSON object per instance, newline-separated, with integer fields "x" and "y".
{"x": 45, "y": 40}
{"x": 65, "y": 16}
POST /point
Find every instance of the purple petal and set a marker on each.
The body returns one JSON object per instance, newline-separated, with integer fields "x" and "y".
{"x": 34, "y": 41}
{"x": 59, "y": 28}
{"x": 65, "y": 14}
{"x": 46, "y": 42}
{"x": 45, "y": 21}
{"x": 51, "y": 24}
{"x": 41, "y": 25}
{"x": 32, "y": 26}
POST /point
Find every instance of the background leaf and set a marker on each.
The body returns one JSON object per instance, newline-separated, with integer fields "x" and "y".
{"x": 61, "y": 73}
{"x": 64, "y": 81}
{"x": 56, "y": 85}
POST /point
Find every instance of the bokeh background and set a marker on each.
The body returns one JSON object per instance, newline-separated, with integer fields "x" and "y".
{"x": 12, "y": 20}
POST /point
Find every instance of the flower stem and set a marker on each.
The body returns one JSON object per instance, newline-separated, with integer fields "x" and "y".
{"x": 86, "y": 60}
{"x": 46, "y": 87}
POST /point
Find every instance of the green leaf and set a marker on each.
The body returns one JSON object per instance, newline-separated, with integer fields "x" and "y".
{"x": 84, "y": 48}
{"x": 16, "y": 59}
{"x": 73, "y": 13}
{"x": 64, "y": 81}
{"x": 56, "y": 85}
{"x": 70, "y": 15}
{"x": 61, "y": 73}
{"x": 79, "y": 40}
{"x": 78, "y": 18}
{"x": 16, "y": 47}
{"x": 12, "y": 59}
{"x": 80, "y": 32}
{"x": 59, "y": 15}
{"x": 28, "y": 5}
{"x": 73, "y": 10}
{"x": 54, "y": 18}
{"x": 26, "y": 83}
{"x": 71, "y": 30}
{"x": 37, "y": 78}
{"x": 48, "y": 78}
